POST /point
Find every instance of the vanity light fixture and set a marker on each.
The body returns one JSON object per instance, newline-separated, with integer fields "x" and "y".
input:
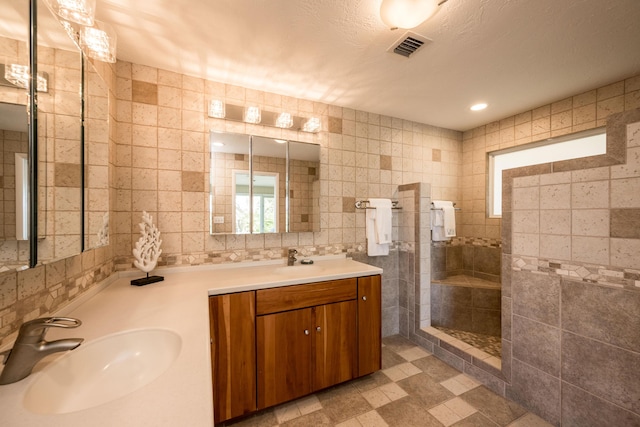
{"x": 312, "y": 125}
{"x": 216, "y": 109}
{"x": 219, "y": 109}
{"x": 284, "y": 121}
{"x": 478, "y": 107}
{"x": 18, "y": 75}
{"x": 99, "y": 42}
{"x": 79, "y": 11}
{"x": 407, "y": 13}
{"x": 252, "y": 115}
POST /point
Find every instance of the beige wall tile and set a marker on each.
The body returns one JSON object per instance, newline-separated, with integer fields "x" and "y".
{"x": 625, "y": 253}
{"x": 590, "y": 222}
{"x": 556, "y": 196}
{"x": 592, "y": 194}
{"x": 555, "y": 221}
{"x": 624, "y": 193}
{"x": 590, "y": 249}
{"x": 146, "y": 93}
{"x": 555, "y": 247}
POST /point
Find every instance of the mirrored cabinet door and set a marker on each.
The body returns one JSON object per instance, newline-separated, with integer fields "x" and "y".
{"x": 59, "y": 141}
{"x": 230, "y": 155}
{"x": 268, "y": 185}
{"x": 14, "y": 51}
{"x": 263, "y": 185}
{"x": 95, "y": 130}
{"x": 304, "y": 187}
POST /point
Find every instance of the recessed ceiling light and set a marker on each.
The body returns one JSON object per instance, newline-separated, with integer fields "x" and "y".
{"x": 218, "y": 144}
{"x": 281, "y": 141}
{"x": 478, "y": 107}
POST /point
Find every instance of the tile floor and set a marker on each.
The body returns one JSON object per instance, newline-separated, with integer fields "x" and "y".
{"x": 413, "y": 388}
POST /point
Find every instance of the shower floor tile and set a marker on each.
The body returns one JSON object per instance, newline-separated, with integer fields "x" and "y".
{"x": 487, "y": 343}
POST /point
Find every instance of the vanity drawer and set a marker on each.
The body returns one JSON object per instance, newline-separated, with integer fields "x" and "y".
{"x": 294, "y": 297}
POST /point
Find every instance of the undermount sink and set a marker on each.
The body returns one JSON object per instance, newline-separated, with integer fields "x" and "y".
{"x": 299, "y": 270}
{"x": 103, "y": 370}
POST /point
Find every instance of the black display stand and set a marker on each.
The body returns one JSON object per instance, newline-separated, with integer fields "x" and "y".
{"x": 147, "y": 280}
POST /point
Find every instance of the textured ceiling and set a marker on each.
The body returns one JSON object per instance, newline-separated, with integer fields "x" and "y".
{"x": 513, "y": 54}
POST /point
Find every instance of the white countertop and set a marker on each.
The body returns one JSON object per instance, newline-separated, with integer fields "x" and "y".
{"x": 182, "y": 396}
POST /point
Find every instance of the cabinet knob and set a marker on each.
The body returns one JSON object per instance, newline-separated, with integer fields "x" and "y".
{"x": 306, "y": 332}
{"x": 364, "y": 298}
{"x": 318, "y": 329}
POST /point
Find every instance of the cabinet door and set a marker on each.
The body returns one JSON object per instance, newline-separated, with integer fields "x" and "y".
{"x": 369, "y": 325}
{"x": 284, "y": 356}
{"x": 233, "y": 354}
{"x": 334, "y": 353}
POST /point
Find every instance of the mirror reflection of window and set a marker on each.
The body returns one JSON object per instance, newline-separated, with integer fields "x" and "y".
{"x": 265, "y": 202}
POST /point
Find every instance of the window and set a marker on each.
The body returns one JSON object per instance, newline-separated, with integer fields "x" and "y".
{"x": 574, "y": 146}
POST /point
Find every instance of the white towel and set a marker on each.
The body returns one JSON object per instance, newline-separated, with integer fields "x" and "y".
{"x": 378, "y": 227}
{"x": 448, "y": 227}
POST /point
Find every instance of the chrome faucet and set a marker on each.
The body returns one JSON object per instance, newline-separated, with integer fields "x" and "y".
{"x": 292, "y": 257}
{"x": 30, "y": 346}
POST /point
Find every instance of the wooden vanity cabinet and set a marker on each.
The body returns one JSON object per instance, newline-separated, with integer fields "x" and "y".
{"x": 369, "y": 325}
{"x": 306, "y": 349}
{"x": 233, "y": 354}
{"x": 275, "y": 345}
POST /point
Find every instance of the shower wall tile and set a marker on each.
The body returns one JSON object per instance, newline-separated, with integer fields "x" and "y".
{"x": 582, "y": 409}
{"x": 555, "y": 247}
{"x": 590, "y": 249}
{"x": 556, "y": 196}
{"x": 591, "y": 365}
{"x": 486, "y": 321}
{"x": 487, "y": 260}
{"x": 625, "y": 252}
{"x": 590, "y": 222}
{"x": 536, "y": 344}
{"x": 597, "y": 312}
{"x": 539, "y": 390}
{"x": 506, "y": 319}
{"x": 625, "y": 223}
{"x": 537, "y": 297}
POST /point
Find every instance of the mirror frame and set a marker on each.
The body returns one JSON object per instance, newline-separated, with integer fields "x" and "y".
{"x": 32, "y": 126}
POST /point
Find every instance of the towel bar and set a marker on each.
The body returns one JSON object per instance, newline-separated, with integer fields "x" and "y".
{"x": 362, "y": 204}
{"x": 439, "y": 209}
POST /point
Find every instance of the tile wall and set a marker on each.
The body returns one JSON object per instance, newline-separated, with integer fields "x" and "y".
{"x": 163, "y": 131}
{"x": 580, "y": 112}
{"x": 571, "y": 305}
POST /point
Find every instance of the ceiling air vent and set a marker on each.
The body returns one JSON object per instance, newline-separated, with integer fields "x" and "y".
{"x": 408, "y": 44}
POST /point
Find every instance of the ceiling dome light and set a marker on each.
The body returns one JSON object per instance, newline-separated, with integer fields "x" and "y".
{"x": 406, "y": 13}
{"x": 478, "y": 107}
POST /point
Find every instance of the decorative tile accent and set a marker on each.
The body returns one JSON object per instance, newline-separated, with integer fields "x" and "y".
{"x": 616, "y": 277}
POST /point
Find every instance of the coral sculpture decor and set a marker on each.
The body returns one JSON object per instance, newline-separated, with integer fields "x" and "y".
{"x": 147, "y": 250}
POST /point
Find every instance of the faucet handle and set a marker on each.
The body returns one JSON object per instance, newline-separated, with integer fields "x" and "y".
{"x": 292, "y": 252}
{"x": 38, "y": 327}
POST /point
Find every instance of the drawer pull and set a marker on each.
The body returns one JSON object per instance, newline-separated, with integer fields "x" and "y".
{"x": 318, "y": 329}
{"x": 364, "y": 298}
{"x": 306, "y": 332}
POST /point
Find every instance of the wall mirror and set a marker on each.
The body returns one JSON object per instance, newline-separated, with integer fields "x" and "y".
{"x": 96, "y": 158}
{"x": 263, "y": 185}
{"x": 59, "y": 141}
{"x": 14, "y": 34}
